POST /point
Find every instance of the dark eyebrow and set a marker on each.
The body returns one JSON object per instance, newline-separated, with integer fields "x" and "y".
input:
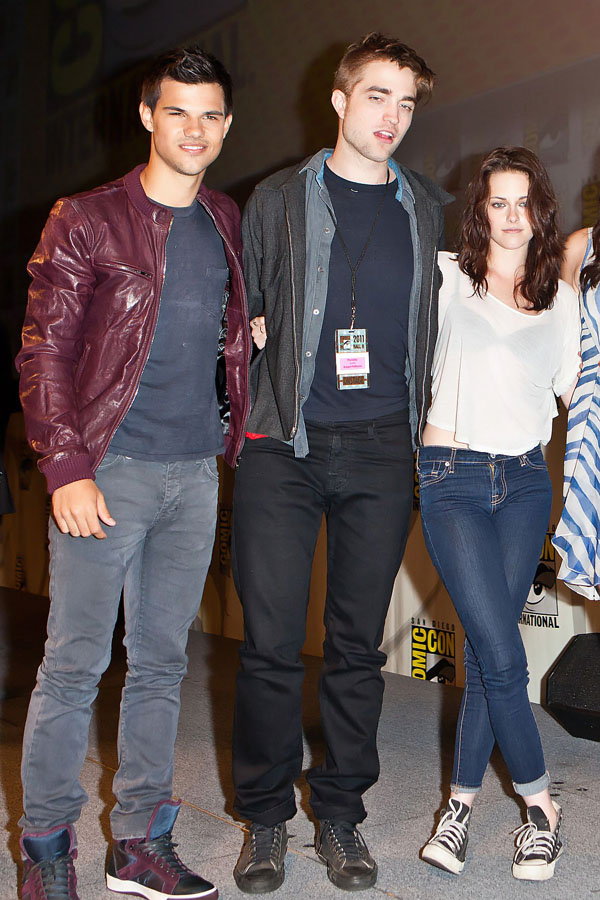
{"x": 207, "y": 112}
{"x": 498, "y": 197}
{"x": 382, "y": 90}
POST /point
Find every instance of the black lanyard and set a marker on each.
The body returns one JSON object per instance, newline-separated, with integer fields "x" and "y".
{"x": 354, "y": 269}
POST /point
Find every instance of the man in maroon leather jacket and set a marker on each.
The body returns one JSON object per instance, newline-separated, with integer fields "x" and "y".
{"x": 132, "y": 284}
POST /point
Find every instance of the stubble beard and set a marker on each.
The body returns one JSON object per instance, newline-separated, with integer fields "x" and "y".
{"x": 190, "y": 167}
{"x": 193, "y": 169}
{"x": 373, "y": 153}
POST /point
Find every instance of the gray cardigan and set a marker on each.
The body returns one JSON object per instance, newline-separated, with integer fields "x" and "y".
{"x": 275, "y": 247}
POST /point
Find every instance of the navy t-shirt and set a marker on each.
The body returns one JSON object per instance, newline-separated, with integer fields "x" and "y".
{"x": 383, "y": 286}
{"x": 175, "y": 413}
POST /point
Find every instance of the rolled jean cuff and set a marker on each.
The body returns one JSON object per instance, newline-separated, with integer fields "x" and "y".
{"x": 464, "y": 788}
{"x": 533, "y": 787}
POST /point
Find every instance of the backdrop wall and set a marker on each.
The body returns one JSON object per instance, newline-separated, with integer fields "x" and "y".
{"x": 509, "y": 71}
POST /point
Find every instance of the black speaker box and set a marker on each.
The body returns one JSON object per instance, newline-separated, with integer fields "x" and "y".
{"x": 573, "y": 687}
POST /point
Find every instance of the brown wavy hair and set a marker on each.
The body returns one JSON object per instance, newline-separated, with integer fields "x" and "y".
{"x": 590, "y": 274}
{"x": 539, "y": 282}
{"x": 375, "y": 46}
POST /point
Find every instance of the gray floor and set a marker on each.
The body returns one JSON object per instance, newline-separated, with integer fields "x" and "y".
{"x": 415, "y": 741}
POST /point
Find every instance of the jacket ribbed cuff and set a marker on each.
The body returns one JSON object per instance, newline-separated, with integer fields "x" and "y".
{"x": 59, "y": 472}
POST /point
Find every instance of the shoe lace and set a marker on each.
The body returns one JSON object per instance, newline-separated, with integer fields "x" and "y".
{"x": 450, "y": 831}
{"x": 162, "y": 850}
{"x": 531, "y": 841}
{"x": 265, "y": 841}
{"x": 347, "y": 841}
{"x": 56, "y": 875}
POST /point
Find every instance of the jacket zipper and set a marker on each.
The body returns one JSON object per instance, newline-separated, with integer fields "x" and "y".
{"x": 246, "y": 333}
{"x": 296, "y": 364}
{"x": 420, "y": 425}
{"x": 136, "y": 387}
{"x": 123, "y": 267}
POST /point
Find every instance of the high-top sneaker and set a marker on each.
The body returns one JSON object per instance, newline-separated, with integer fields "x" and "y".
{"x": 150, "y": 867}
{"x": 448, "y": 846}
{"x": 538, "y": 847}
{"x": 48, "y": 868}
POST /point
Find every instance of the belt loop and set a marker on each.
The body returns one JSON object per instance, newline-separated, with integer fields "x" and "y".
{"x": 452, "y": 457}
{"x": 371, "y": 430}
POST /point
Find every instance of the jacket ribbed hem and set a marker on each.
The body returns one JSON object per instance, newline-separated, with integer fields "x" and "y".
{"x": 59, "y": 472}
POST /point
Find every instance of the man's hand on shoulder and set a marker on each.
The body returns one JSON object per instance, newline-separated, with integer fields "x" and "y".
{"x": 78, "y": 509}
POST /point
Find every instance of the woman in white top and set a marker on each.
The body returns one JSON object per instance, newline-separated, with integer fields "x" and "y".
{"x": 508, "y": 342}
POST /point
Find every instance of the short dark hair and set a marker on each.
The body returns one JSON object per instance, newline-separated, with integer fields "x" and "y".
{"x": 189, "y": 65}
{"x": 539, "y": 282}
{"x": 376, "y": 46}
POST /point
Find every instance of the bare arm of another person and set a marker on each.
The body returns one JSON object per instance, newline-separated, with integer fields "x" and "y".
{"x": 574, "y": 253}
{"x": 79, "y": 507}
{"x": 568, "y": 395}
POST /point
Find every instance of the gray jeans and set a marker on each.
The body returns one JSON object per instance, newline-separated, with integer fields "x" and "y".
{"x": 159, "y": 551}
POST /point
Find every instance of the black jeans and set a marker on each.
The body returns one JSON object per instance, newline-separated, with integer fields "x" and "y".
{"x": 360, "y": 475}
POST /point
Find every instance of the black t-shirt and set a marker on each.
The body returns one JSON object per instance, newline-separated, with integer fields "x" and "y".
{"x": 175, "y": 413}
{"x": 383, "y": 286}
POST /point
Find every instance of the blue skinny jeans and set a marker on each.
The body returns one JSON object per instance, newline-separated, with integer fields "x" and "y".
{"x": 484, "y": 519}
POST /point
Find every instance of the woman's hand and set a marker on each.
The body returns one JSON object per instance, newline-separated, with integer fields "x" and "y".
{"x": 258, "y": 330}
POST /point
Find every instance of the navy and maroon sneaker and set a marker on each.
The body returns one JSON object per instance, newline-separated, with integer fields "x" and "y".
{"x": 150, "y": 867}
{"x": 48, "y": 864}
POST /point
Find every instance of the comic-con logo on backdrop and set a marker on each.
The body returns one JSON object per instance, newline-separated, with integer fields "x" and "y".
{"x": 433, "y": 651}
{"x": 541, "y": 608}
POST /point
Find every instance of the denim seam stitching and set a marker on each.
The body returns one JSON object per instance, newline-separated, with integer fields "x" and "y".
{"x": 502, "y": 497}
{"x": 532, "y": 465}
{"x": 459, "y": 748}
{"x": 436, "y": 562}
{"x": 435, "y": 477}
{"x": 211, "y": 474}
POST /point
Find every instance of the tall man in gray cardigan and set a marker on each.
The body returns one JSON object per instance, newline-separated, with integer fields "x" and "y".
{"x": 340, "y": 260}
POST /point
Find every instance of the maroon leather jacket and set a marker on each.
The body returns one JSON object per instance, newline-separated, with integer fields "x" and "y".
{"x": 97, "y": 275}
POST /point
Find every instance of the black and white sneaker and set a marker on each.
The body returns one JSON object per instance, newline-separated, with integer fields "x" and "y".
{"x": 341, "y": 846}
{"x": 538, "y": 847}
{"x": 448, "y": 846}
{"x": 261, "y": 867}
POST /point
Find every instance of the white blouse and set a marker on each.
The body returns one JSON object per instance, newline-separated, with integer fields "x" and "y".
{"x": 496, "y": 370}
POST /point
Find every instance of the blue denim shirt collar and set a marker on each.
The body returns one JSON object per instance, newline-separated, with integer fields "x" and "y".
{"x": 317, "y": 164}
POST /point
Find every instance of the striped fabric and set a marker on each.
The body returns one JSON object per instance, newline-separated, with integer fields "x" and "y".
{"x": 577, "y": 537}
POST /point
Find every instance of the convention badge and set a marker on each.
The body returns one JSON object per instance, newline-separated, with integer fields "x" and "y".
{"x": 351, "y": 358}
